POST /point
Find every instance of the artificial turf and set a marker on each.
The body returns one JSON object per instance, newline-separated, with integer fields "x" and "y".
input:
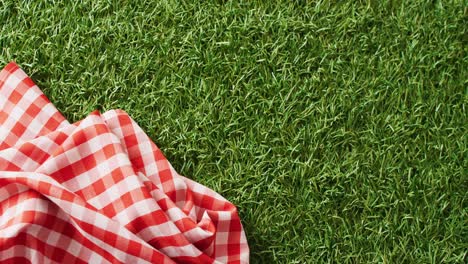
{"x": 338, "y": 129}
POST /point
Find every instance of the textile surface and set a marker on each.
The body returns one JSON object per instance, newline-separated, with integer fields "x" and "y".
{"x": 99, "y": 191}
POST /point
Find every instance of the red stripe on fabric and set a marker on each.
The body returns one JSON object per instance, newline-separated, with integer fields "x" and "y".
{"x": 54, "y": 253}
{"x": 52, "y": 222}
{"x": 11, "y": 67}
{"x": 129, "y": 246}
{"x": 193, "y": 260}
{"x": 16, "y": 260}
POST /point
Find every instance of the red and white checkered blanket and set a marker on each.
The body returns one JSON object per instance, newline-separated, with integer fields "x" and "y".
{"x": 99, "y": 191}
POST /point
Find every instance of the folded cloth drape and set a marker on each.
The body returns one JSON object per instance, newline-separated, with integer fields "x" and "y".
{"x": 99, "y": 191}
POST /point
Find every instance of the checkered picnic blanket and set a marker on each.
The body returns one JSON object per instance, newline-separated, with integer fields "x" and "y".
{"x": 99, "y": 191}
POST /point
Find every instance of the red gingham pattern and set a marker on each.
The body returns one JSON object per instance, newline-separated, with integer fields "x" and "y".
{"x": 99, "y": 191}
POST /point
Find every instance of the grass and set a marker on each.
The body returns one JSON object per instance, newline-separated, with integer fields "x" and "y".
{"x": 338, "y": 129}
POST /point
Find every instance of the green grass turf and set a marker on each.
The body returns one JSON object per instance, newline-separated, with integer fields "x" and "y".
{"x": 339, "y": 130}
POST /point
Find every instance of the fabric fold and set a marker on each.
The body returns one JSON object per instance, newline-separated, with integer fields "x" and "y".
{"x": 99, "y": 191}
